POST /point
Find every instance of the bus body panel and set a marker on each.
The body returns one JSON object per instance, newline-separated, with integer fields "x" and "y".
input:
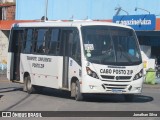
{"x": 10, "y": 62}
{"x": 50, "y": 77}
{"x": 44, "y": 70}
{"x": 75, "y": 71}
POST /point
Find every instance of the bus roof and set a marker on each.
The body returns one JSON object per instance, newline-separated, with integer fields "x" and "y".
{"x": 66, "y": 24}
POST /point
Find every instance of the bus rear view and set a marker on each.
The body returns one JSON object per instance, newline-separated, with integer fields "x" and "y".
{"x": 113, "y": 61}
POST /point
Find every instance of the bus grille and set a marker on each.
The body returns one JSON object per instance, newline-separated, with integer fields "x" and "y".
{"x": 120, "y": 78}
{"x": 114, "y": 86}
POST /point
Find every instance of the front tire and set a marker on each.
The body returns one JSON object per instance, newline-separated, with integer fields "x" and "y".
{"x": 78, "y": 95}
{"x": 75, "y": 91}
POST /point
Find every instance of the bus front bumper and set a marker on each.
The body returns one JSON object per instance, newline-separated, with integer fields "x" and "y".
{"x": 104, "y": 87}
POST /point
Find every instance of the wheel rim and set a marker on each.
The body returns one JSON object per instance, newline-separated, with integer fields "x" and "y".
{"x": 29, "y": 84}
{"x": 76, "y": 91}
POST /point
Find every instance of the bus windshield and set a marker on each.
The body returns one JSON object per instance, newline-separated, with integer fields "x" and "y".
{"x": 110, "y": 45}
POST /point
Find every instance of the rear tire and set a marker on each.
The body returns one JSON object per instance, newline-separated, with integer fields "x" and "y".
{"x": 129, "y": 97}
{"x": 29, "y": 87}
{"x": 24, "y": 86}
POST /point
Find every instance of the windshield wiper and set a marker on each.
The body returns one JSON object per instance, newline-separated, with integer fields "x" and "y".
{"x": 127, "y": 56}
{"x": 124, "y": 54}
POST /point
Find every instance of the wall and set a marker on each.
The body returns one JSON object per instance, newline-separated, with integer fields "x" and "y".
{"x": 10, "y": 14}
{"x": 82, "y": 9}
{"x": 4, "y": 33}
{"x": 3, "y": 1}
{"x": 3, "y": 51}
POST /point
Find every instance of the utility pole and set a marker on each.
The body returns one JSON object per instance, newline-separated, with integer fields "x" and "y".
{"x": 46, "y": 10}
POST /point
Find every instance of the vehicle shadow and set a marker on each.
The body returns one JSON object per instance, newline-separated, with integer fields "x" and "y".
{"x": 10, "y": 89}
{"x": 55, "y": 93}
{"x": 1, "y": 96}
{"x": 117, "y": 98}
{"x": 96, "y": 97}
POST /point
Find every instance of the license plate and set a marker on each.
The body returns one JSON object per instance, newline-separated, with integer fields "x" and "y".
{"x": 116, "y": 91}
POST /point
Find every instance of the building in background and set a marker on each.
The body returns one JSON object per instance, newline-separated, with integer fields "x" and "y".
{"x": 7, "y": 18}
{"x": 7, "y": 14}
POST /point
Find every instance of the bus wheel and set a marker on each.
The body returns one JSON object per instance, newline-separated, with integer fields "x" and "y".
{"x": 29, "y": 86}
{"x": 129, "y": 97}
{"x": 24, "y": 86}
{"x": 78, "y": 94}
{"x": 73, "y": 89}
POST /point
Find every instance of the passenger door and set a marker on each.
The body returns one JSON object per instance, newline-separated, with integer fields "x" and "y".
{"x": 66, "y": 36}
{"x": 15, "y": 49}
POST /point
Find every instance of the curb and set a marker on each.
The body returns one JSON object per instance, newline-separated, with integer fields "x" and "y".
{"x": 4, "y": 81}
{"x": 156, "y": 86}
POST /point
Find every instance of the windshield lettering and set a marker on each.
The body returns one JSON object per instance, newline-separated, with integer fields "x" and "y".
{"x": 116, "y": 71}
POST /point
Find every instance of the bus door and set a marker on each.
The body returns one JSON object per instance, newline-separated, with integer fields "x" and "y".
{"x": 15, "y": 47}
{"x": 66, "y": 35}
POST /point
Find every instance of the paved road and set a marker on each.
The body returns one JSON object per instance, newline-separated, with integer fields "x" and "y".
{"x": 12, "y": 98}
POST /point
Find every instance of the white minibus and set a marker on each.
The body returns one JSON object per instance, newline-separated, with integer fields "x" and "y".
{"x": 79, "y": 56}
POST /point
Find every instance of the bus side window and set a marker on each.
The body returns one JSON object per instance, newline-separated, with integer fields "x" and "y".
{"x": 41, "y": 41}
{"x": 75, "y": 48}
{"x": 27, "y": 41}
{"x": 24, "y": 40}
{"x": 53, "y": 42}
{"x": 34, "y": 41}
{"x": 16, "y": 42}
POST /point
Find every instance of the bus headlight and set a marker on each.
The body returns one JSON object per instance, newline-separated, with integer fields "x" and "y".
{"x": 138, "y": 75}
{"x": 91, "y": 73}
